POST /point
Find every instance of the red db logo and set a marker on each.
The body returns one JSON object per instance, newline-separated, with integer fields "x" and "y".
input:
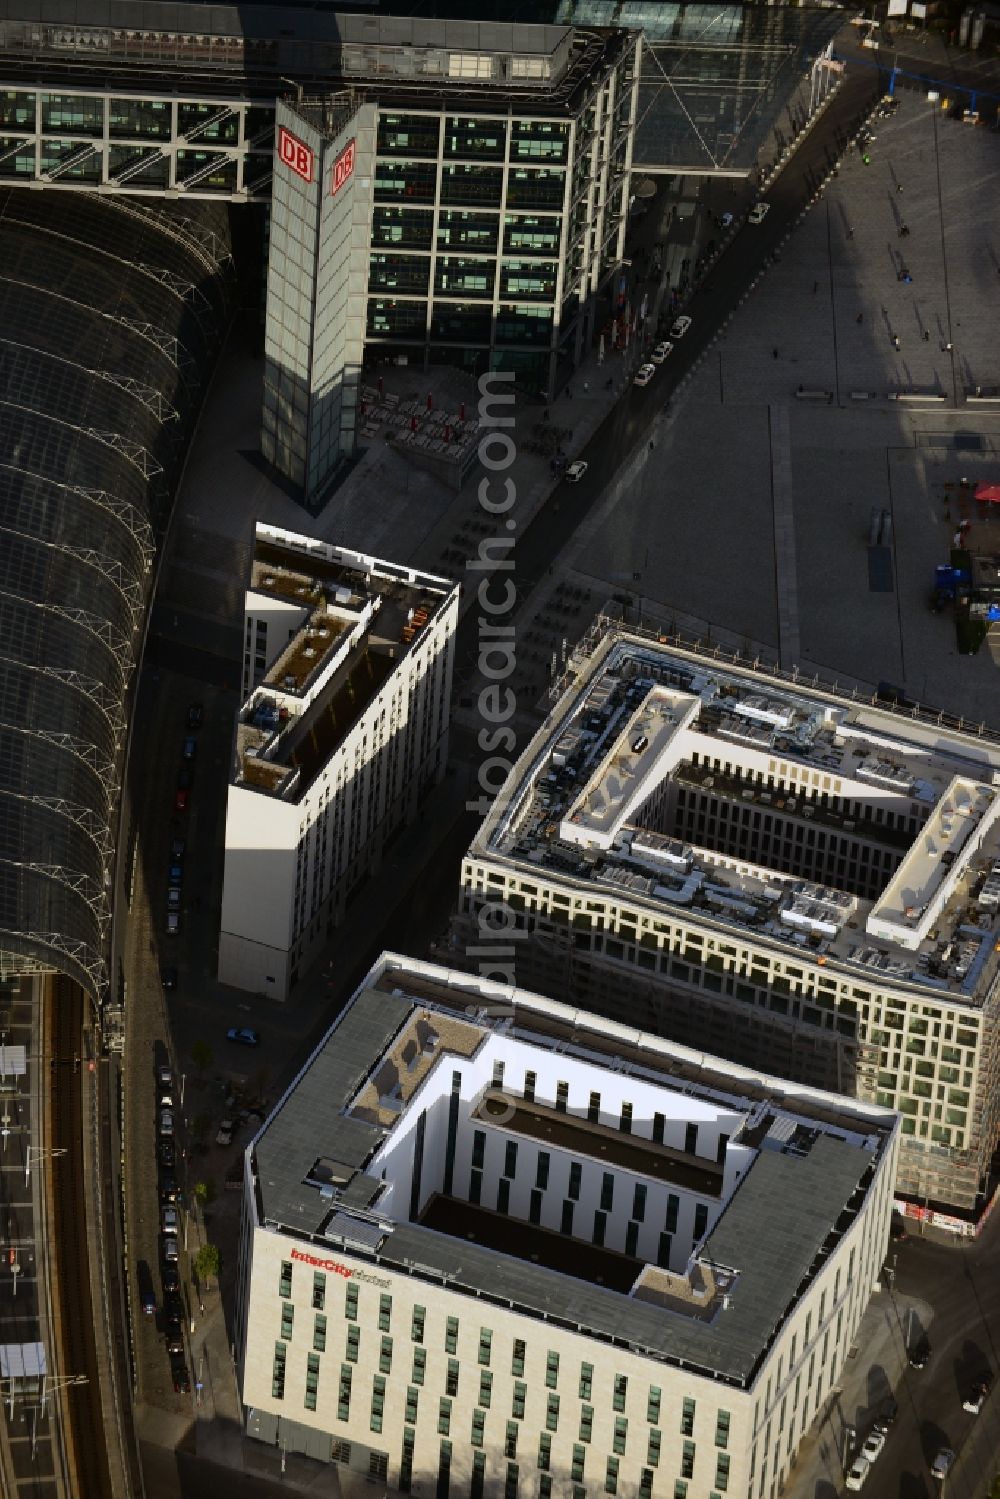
{"x": 295, "y": 154}
{"x": 342, "y": 169}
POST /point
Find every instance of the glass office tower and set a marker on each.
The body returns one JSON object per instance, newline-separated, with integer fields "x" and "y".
{"x": 465, "y": 211}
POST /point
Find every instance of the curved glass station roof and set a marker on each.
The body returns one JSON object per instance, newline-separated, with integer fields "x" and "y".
{"x": 111, "y": 314}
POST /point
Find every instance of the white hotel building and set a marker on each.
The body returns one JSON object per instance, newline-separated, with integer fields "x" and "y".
{"x": 495, "y": 1246}
{"x": 347, "y": 680}
{"x": 779, "y": 874}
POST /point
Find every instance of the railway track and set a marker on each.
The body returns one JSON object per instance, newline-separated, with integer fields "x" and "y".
{"x": 71, "y": 1249}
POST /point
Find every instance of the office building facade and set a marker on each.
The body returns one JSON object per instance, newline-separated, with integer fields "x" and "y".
{"x": 785, "y": 876}
{"x": 442, "y": 206}
{"x": 344, "y": 728}
{"x": 495, "y": 1246}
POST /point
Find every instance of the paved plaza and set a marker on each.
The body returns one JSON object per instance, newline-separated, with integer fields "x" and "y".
{"x": 753, "y": 513}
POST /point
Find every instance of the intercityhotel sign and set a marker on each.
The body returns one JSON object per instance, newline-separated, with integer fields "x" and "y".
{"x": 349, "y": 1272}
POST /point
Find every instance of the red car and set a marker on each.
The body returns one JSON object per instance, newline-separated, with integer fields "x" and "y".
{"x": 181, "y": 801}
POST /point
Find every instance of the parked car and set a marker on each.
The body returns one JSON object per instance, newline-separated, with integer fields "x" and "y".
{"x": 576, "y": 471}
{"x": 177, "y": 847}
{"x": 897, "y": 1228}
{"x": 182, "y": 1382}
{"x": 170, "y": 1254}
{"x": 181, "y": 801}
{"x": 173, "y": 899}
{"x": 168, "y": 978}
{"x": 169, "y": 1191}
{"x": 185, "y": 778}
{"x": 165, "y": 1152}
{"x": 887, "y": 1415}
{"x": 973, "y": 1402}
{"x": 147, "y": 1293}
{"x": 190, "y": 747}
{"x": 858, "y": 1475}
{"x": 225, "y": 1133}
{"x": 173, "y": 923}
{"x": 644, "y": 374}
{"x": 758, "y": 213}
{"x": 174, "y": 1339}
{"x": 171, "y": 1280}
{"x": 166, "y": 1100}
{"x": 175, "y": 875}
{"x": 873, "y": 1446}
{"x": 661, "y": 352}
{"x": 168, "y": 1220}
{"x": 919, "y": 1354}
{"x": 195, "y": 715}
{"x": 166, "y": 1122}
{"x": 679, "y": 327}
{"x": 173, "y": 1306}
{"x": 164, "y": 1077}
{"x": 243, "y": 1036}
{"x": 941, "y": 1466}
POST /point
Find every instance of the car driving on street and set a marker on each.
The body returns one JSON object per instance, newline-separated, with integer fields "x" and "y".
{"x": 576, "y": 471}
{"x": 243, "y": 1036}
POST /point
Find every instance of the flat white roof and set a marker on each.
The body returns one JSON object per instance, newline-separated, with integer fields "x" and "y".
{"x": 639, "y": 713}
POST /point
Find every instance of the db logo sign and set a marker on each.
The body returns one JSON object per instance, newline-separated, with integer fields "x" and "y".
{"x": 295, "y": 154}
{"x": 342, "y": 169}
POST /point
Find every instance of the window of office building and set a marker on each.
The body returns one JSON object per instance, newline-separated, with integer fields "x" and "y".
{"x": 526, "y": 280}
{"x": 472, "y": 186}
{"x": 398, "y": 181}
{"x": 535, "y": 189}
{"x": 475, "y": 139}
{"x": 455, "y": 277}
{"x": 408, "y": 135}
{"x": 530, "y": 234}
{"x": 404, "y": 228}
{"x": 407, "y": 274}
{"x": 524, "y": 324}
{"x": 455, "y": 322}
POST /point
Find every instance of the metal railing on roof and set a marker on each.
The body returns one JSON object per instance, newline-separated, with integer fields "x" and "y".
{"x": 815, "y": 681}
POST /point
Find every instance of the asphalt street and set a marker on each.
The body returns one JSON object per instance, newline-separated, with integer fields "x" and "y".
{"x": 963, "y": 1287}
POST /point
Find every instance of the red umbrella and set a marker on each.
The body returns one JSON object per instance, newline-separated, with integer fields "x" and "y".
{"x": 988, "y": 493}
